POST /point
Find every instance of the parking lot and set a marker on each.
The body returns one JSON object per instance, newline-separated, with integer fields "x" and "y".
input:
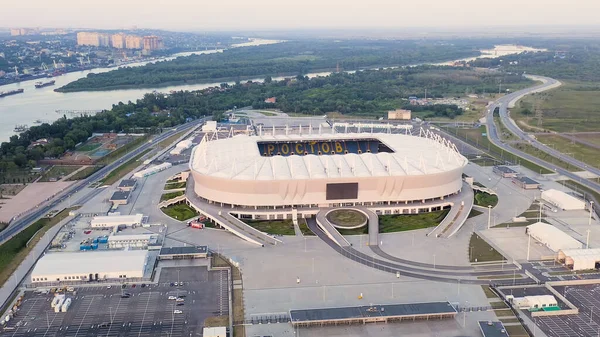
{"x": 586, "y": 323}
{"x": 130, "y": 311}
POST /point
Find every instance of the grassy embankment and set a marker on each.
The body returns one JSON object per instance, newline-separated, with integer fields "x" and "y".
{"x": 57, "y": 172}
{"x": 169, "y": 196}
{"x": 180, "y": 211}
{"x": 275, "y": 227}
{"x": 14, "y": 251}
{"x": 123, "y": 170}
{"x": 481, "y": 251}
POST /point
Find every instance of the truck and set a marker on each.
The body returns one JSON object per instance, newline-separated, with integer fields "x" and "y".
{"x": 66, "y": 305}
{"x": 59, "y": 304}
{"x": 56, "y": 299}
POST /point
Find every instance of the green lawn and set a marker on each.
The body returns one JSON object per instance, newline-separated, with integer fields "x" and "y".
{"x": 407, "y": 222}
{"x": 57, "y": 172}
{"x": 527, "y": 148}
{"x": 474, "y": 213}
{"x": 275, "y": 227}
{"x": 172, "y": 186}
{"x": 169, "y": 196}
{"x": 584, "y": 153}
{"x": 480, "y": 251}
{"x": 124, "y": 169}
{"x": 86, "y": 172}
{"x": 14, "y": 251}
{"x": 304, "y": 228}
{"x": 485, "y": 200}
{"x": 346, "y": 217}
{"x": 180, "y": 212}
{"x": 88, "y": 147}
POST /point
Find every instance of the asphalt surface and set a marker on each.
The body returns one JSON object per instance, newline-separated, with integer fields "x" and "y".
{"x": 492, "y": 133}
{"x": 431, "y": 275}
{"x": 22, "y": 223}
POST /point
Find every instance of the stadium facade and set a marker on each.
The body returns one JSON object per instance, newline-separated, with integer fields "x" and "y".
{"x": 297, "y": 170}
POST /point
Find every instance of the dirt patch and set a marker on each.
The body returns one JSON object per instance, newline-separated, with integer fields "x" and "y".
{"x": 11, "y": 189}
{"x": 32, "y": 195}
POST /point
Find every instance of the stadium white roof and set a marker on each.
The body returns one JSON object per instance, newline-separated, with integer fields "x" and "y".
{"x": 117, "y": 220}
{"x": 562, "y": 200}
{"x": 238, "y": 157}
{"x": 83, "y": 263}
{"x": 552, "y": 237}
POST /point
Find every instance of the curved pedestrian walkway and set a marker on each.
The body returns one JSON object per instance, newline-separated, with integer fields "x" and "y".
{"x": 432, "y": 275}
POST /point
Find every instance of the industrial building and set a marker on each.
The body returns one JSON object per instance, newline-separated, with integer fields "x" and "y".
{"x": 112, "y": 221}
{"x": 181, "y": 146}
{"x": 131, "y": 241}
{"x": 505, "y": 172}
{"x": 401, "y": 114}
{"x": 372, "y": 314}
{"x": 119, "y": 198}
{"x": 127, "y": 185}
{"x": 220, "y": 331}
{"x": 580, "y": 259}
{"x": 182, "y": 253}
{"x": 152, "y": 170}
{"x": 307, "y": 169}
{"x": 552, "y": 237}
{"x": 526, "y": 183}
{"x": 85, "y": 266}
{"x": 563, "y": 200}
{"x": 535, "y": 303}
{"x": 492, "y": 329}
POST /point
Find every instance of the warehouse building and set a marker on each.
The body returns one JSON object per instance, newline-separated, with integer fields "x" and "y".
{"x": 116, "y": 220}
{"x": 552, "y": 237}
{"x": 535, "y": 303}
{"x": 526, "y": 183}
{"x": 127, "y": 185}
{"x": 580, "y": 259}
{"x": 131, "y": 241}
{"x": 180, "y": 147}
{"x": 152, "y": 170}
{"x": 563, "y": 200}
{"x": 505, "y": 172}
{"x": 85, "y": 266}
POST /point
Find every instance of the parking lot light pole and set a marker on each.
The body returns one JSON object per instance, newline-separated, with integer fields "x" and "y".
{"x": 587, "y": 240}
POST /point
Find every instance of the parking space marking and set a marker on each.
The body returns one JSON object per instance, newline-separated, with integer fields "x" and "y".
{"x": 84, "y": 315}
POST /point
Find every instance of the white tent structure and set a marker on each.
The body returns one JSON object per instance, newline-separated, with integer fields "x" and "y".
{"x": 181, "y": 146}
{"x": 580, "y": 259}
{"x": 535, "y": 302}
{"x": 562, "y": 200}
{"x": 552, "y": 237}
{"x": 152, "y": 170}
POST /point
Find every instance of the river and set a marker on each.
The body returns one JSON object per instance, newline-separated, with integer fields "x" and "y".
{"x": 41, "y": 104}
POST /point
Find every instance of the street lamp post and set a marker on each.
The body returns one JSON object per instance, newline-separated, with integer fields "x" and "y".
{"x": 591, "y": 210}
{"x": 489, "y": 216}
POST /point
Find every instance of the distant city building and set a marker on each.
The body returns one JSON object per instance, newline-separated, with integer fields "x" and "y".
{"x": 118, "y": 41}
{"x": 399, "y": 114}
{"x": 133, "y": 42}
{"x": 152, "y": 43}
{"x": 93, "y": 39}
{"x": 23, "y": 31}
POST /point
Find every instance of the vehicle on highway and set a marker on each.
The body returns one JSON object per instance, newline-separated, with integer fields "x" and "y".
{"x": 172, "y": 297}
{"x": 179, "y": 300}
{"x": 180, "y": 304}
{"x": 178, "y": 312}
{"x": 108, "y": 287}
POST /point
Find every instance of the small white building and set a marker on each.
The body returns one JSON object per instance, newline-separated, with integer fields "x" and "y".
{"x": 563, "y": 200}
{"x": 116, "y": 220}
{"x": 152, "y": 170}
{"x": 220, "y": 331}
{"x": 580, "y": 259}
{"x": 209, "y": 126}
{"x": 552, "y": 237}
{"x": 181, "y": 146}
{"x": 89, "y": 266}
{"x": 535, "y": 303}
{"x": 131, "y": 241}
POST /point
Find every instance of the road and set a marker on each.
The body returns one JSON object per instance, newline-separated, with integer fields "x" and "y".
{"x": 492, "y": 132}
{"x": 22, "y": 223}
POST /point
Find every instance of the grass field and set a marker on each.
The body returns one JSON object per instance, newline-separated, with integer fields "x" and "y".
{"x": 304, "y": 228}
{"x": 124, "y": 169}
{"x": 346, "y": 218}
{"x": 169, "y": 196}
{"x": 169, "y": 141}
{"x": 474, "y": 213}
{"x": 573, "y": 107}
{"x": 14, "y": 251}
{"x": 481, "y": 251}
{"x": 401, "y": 222}
{"x": 584, "y": 153}
{"x": 172, "y": 186}
{"x": 180, "y": 212}
{"x": 544, "y": 156}
{"x": 86, "y": 172}
{"x": 57, "y": 172}
{"x": 88, "y": 147}
{"x": 116, "y": 154}
{"x": 275, "y": 227}
{"x": 485, "y": 200}
{"x": 592, "y": 138}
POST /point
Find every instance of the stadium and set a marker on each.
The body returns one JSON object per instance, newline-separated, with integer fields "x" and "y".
{"x": 296, "y": 170}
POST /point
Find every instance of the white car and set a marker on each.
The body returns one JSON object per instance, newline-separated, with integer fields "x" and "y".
{"x": 172, "y": 297}
{"x": 108, "y": 287}
{"x": 178, "y": 312}
{"x": 179, "y": 300}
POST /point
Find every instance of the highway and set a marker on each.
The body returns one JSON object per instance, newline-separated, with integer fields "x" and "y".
{"x": 492, "y": 132}
{"x": 23, "y": 222}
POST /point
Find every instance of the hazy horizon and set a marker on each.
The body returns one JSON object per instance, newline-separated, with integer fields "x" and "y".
{"x": 266, "y": 15}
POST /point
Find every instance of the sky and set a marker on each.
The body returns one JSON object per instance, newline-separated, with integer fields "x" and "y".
{"x": 231, "y": 15}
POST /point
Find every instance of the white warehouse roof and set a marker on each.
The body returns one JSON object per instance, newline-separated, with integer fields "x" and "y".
{"x": 132, "y": 237}
{"x": 552, "y": 237}
{"x": 104, "y": 221}
{"x": 563, "y": 200}
{"x": 84, "y": 263}
{"x": 152, "y": 170}
{"x": 239, "y": 157}
{"x": 580, "y": 259}
{"x": 181, "y": 146}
